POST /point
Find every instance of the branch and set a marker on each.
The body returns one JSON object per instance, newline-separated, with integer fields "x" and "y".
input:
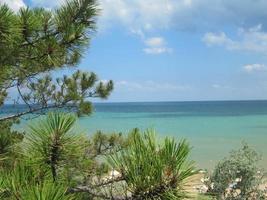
{"x": 91, "y": 190}
{"x": 71, "y": 94}
{"x": 106, "y": 151}
{"x": 22, "y": 97}
{"x": 33, "y": 110}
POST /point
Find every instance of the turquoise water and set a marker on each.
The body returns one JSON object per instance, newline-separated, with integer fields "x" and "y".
{"x": 212, "y": 128}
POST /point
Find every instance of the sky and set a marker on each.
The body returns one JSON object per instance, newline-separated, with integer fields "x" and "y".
{"x": 177, "y": 50}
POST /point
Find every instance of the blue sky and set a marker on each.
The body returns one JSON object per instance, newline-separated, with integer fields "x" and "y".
{"x": 178, "y": 50}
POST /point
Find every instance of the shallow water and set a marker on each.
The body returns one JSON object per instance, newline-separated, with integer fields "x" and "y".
{"x": 212, "y": 128}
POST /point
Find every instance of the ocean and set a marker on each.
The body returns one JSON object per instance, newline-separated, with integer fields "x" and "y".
{"x": 213, "y": 128}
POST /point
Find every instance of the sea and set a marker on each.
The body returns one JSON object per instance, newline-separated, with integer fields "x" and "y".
{"x": 212, "y": 128}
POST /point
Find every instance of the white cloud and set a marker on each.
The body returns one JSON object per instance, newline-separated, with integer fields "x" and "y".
{"x": 182, "y": 14}
{"x": 155, "y": 41}
{"x": 13, "y": 4}
{"x": 145, "y": 17}
{"x": 253, "y": 40}
{"x": 157, "y": 50}
{"x": 137, "y": 14}
{"x": 216, "y": 39}
{"x": 150, "y": 86}
{"x": 156, "y": 45}
{"x": 254, "y": 68}
{"x": 150, "y": 15}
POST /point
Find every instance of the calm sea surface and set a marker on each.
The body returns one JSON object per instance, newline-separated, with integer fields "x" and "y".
{"x": 213, "y": 128}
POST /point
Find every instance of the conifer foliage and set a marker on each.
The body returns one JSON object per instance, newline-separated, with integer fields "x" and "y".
{"x": 35, "y": 42}
{"x": 51, "y": 160}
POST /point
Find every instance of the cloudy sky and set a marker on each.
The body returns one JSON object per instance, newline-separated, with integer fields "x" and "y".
{"x": 177, "y": 50}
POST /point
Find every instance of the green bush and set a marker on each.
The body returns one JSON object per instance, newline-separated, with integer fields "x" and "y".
{"x": 23, "y": 183}
{"x": 154, "y": 171}
{"x": 8, "y": 143}
{"x": 53, "y": 144}
{"x": 57, "y": 163}
{"x": 238, "y": 177}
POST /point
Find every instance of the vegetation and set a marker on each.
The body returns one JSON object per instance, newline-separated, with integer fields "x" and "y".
{"x": 53, "y": 144}
{"x": 35, "y": 42}
{"x": 204, "y": 197}
{"x": 51, "y": 160}
{"x": 58, "y": 163}
{"x": 8, "y": 139}
{"x": 153, "y": 171}
{"x": 22, "y": 182}
{"x": 238, "y": 176}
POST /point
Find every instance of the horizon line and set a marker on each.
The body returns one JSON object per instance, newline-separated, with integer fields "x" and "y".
{"x": 172, "y": 101}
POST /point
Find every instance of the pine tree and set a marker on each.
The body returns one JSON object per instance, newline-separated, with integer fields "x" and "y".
{"x": 34, "y": 42}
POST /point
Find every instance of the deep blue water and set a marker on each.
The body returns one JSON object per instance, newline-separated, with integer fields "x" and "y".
{"x": 194, "y": 108}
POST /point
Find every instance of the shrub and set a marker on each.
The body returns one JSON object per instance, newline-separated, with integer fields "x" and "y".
{"x": 238, "y": 176}
{"x": 60, "y": 164}
{"x": 22, "y": 183}
{"x": 8, "y": 143}
{"x": 53, "y": 145}
{"x": 153, "y": 171}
